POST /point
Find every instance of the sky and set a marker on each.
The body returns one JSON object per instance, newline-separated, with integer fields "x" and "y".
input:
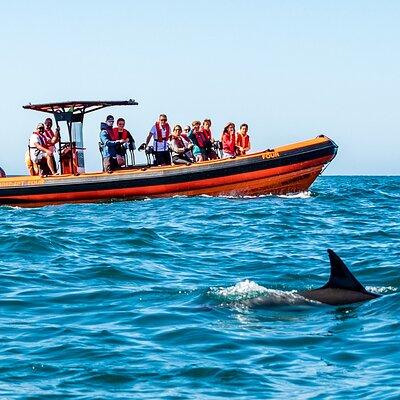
{"x": 292, "y": 70}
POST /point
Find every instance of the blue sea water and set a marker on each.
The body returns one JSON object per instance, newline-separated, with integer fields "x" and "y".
{"x": 149, "y": 299}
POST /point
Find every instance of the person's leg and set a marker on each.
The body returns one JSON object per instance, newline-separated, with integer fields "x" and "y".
{"x": 51, "y": 163}
{"x": 186, "y": 158}
{"x": 189, "y": 154}
{"x": 163, "y": 158}
{"x": 43, "y": 167}
{"x": 157, "y": 158}
{"x": 181, "y": 159}
{"x": 114, "y": 163}
{"x": 107, "y": 164}
{"x": 167, "y": 158}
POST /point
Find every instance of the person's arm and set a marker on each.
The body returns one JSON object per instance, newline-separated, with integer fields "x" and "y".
{"x": 223, "y": 139}
{"x": 56, "y": 138}
{"x": 193, "y": 138}
{"x": 107, "y": 142}
{"x": 43, "y": 149}
{"x": 149, "y": 136}
{"x": 247, "y": 148}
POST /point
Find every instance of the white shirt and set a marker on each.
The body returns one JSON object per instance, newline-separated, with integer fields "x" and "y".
{"x": 36, "y": 154}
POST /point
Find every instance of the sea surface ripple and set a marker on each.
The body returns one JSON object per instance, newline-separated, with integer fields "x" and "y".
{"x": 149, "y": 299}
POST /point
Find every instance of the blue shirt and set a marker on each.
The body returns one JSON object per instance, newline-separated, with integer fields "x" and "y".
{"x": 108, "y": 148}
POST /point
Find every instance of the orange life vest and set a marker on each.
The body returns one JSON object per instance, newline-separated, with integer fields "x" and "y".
{"x": 243, "y": 141}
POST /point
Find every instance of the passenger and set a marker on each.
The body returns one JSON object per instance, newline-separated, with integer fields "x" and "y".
{"x": 243, "y": 140}
{"x": 39, "y": 153}
{"x": 185, "y": 133}
{"x": 229, "y": 140}
{"x": 188, "y": 143}
{"x": 206, "y": 129}
{"x": 178, "y": 147}
{"x": 109, "y": 146}
{"x": 51, "y": 138}
{"x": 199, "y": 139}
{"x": 118, "y": 133}
{"x": 160, "y": 132}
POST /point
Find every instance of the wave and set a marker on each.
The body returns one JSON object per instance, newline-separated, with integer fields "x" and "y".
{"x": 249, "y": 294}
{"x": 300, "y": 195}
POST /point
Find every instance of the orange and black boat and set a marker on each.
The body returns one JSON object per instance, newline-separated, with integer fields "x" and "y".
{"x": 283, "y": 170}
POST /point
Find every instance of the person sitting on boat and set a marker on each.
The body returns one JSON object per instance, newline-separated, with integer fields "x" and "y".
{"x": 199, "y": 140}
{"x": 160, "y": 132}
{"x": 40, "y": 155}
{"x": 178, "y": 147}
{"x": 118, "y": 133}
{"x": 108, "y": 146}
{"x": 206, "y": 129}
{"x": 188, "y": 143}
{"x": 185, "y": 133}
{"x": 243, "y": 140}
{"x": 51, "y": 138}
{"x": 229, "y": 140}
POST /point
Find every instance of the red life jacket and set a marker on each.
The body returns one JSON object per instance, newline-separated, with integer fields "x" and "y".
{"x": 207, "y": 132}
{"x": 48, "y": 134}
{"x": 179, "y": 142}
{"x": 42, "y": 138}
{"x": 117, "y": 135}
{"x": 160, "y": 137}
{"x": 201, "y": 138}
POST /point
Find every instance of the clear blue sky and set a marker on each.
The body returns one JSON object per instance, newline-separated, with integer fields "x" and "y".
{"x": 291, "y": 69}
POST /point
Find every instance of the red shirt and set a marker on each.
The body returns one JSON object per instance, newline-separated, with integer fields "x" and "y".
{"x": 228, "y": 143}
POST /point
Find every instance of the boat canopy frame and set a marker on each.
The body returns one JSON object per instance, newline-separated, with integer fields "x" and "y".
{"x": 74, "y": 111}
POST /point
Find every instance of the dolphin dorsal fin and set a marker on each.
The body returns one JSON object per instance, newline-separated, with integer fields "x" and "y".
{"x": 341, "y": 277}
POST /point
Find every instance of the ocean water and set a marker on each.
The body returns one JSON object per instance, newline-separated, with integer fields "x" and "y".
{"x": 150, "y": 299}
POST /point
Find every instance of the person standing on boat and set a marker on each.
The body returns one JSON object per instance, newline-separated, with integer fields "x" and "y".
{"x": 243, "y": 140}
{"x": 51, "y": 138}
{"x": 160, "y": 132}
{"x": 229, "y": 140}
{"x": 108, "y": 146}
